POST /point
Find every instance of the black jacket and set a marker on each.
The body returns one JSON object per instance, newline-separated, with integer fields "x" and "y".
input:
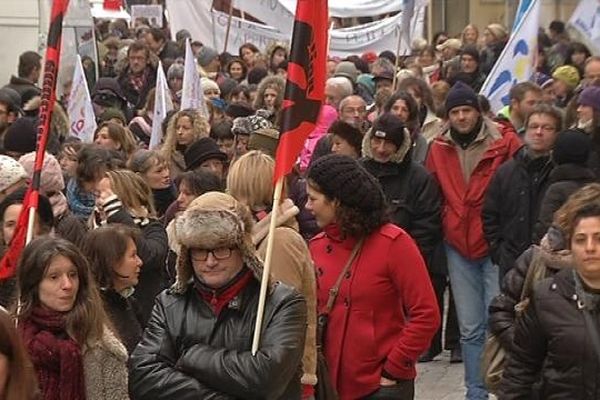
{"x": 552, "y": 346}
{"x": 135, "y": 98}
{"x": 511, "y": 206}
{"x": 563, "y": 181}
{"x": 414, "y": 201}
{"x": 125, "y": 317}
{"x": 152, "y": 248}
{"x": 502, "y": 314}
{"x": 187, "y": 353}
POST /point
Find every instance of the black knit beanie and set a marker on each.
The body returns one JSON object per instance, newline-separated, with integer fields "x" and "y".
{"x": 341, "y": 177}
{"x": 572, "y": 147}
{"x": 389, "y": 127}
{"x": 21, "y": 136}
{"x": 461, "y": 94}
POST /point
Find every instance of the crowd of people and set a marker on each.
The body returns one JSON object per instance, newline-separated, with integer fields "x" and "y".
{"x": 144, "y": 275}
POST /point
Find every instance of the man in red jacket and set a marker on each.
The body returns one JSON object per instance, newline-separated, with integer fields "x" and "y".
{"x": 463, "y": 159}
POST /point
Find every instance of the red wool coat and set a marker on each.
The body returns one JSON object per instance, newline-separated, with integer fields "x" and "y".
{"x": 385, "y": 314}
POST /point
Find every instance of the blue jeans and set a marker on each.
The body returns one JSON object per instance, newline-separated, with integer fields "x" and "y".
{"x": 474, "y": 285}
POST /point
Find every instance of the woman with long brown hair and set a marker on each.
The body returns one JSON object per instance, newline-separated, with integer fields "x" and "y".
{"x": 64, "y": 327}
{"x": 17, "y": 377}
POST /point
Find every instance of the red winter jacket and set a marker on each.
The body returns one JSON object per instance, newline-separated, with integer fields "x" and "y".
{"x": 385, "y": 313}
{"x": 463, "y": 201}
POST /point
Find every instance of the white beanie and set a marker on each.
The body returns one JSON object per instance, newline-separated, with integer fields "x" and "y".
{"x": 11, "y": 172}
{"x": 208, "y": 84}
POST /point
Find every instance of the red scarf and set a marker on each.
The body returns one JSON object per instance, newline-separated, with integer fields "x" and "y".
{"x": 219, "y": 298}
{"x": 56, "y": 357}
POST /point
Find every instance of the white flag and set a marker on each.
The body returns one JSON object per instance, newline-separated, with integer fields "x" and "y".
{"x": 517, "y": 62}
{"x": 80, "y": 110}
{"x": 192, "y": 96}
{"x": 162, "y": 105}
{"x": 586, "y": 21}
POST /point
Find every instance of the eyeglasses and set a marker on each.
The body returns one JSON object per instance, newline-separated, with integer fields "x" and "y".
{"x": 220, "y": 253}
{"x": 544, "y": 128}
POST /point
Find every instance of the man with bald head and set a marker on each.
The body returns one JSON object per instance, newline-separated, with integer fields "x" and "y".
{"x": 353, "y": 111}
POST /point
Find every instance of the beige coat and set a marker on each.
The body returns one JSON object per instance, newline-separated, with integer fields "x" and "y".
{"x": 292, "y": 265}
{"x": 105, "y": 369}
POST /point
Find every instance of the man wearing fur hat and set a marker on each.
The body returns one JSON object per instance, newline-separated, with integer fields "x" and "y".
{"x": 197, "y": 342}
{"x": 463, "y": 159}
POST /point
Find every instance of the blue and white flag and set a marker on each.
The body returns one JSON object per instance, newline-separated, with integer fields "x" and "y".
{"x": 162, "y": 105}
{"x": 80, "y": 109}
{"x": 586, "y": 20}
{"x": 523, "y": 7}
{"x": 192, "y": 95}
{"x": 517, "y": 62}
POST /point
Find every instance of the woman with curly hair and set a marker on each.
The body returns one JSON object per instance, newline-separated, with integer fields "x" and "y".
{"x": 270, "y": 94}
{"x": 385, "y": 313}
{"x": 185, "y": 128}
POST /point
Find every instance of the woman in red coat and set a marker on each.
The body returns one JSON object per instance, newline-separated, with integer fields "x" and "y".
{"x": 385, "y": 313}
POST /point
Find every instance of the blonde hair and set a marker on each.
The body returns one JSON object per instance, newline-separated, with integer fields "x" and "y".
{"x": 132, "y": 190}
{"x": 200, "y": 128}
{"x": 142, "y": 160}
{"x": 250, "y": 180}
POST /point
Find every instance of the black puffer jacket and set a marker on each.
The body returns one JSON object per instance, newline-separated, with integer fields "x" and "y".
{"x": 413, "y": 197}
{"x": 502, "y": 308}
{"x": 511, "y": 206}
{"x": 187, "y": 353}
{"x": 563, "y": 181}
{"x": 552, "y": 346}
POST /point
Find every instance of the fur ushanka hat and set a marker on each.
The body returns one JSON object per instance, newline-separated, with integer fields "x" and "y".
{"x": 214, "y": 220}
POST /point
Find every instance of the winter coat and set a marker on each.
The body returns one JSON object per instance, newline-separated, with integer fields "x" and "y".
{"x": 152, "y": 248}
{"x": 412, "y": 194}
{"x": 385, "y": 313}
{"x": 463, "y": 176}
{"x": 552, "y": 345}
{"x": 502, "y": 308}
{"x": 489, "y": 55}
{"x": 327, "y": 116}
{"x": 22, "y": 86}
{"x": 125, "y": 316}
{"x": 432, "y": 126}
{"x": 137, "y": 99}
{"x": 188, "y": 353}
{"x": 563, "y": 181}
{"x": 105, "y": 369}
{"x": 511, "y": 206}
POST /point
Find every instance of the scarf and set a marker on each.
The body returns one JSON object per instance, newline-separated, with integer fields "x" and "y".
{"x": 219, "y": 298}
{"x": 56, "y": 357}
{"x": 139, "y": 81}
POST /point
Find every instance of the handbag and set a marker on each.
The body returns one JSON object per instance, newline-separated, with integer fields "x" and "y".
{"x": 325, "y": 389}
{"x": 493, "y": 358}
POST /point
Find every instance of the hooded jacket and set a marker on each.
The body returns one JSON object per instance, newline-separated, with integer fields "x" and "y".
{"x": 412, "y": 194}
{"x": 463, "y": 176}
{"x": 189, "y": 352}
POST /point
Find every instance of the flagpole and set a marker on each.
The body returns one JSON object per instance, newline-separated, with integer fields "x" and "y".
{"x": 267, "y": 266}
{"x": 228, "y": 25}
{"x": 395, "y": 78}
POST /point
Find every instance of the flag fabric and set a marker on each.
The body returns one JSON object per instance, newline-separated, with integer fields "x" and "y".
{"x": 112, "y": 5}
{"x": 517, "y": 62}
{"x": 586, "y": 22}
{"x": 80, "y": 109}
{"x": 305, "y": 86}
{"x": 8, "y": 265}
{"x": 192, "y": 95}
{"x": 521, "y": 10}
{"x": 162, "y": 105}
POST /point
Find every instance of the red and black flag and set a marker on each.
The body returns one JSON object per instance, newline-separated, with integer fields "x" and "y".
{"x": 8, "y": 264}
{"x": 305, "y": 86}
